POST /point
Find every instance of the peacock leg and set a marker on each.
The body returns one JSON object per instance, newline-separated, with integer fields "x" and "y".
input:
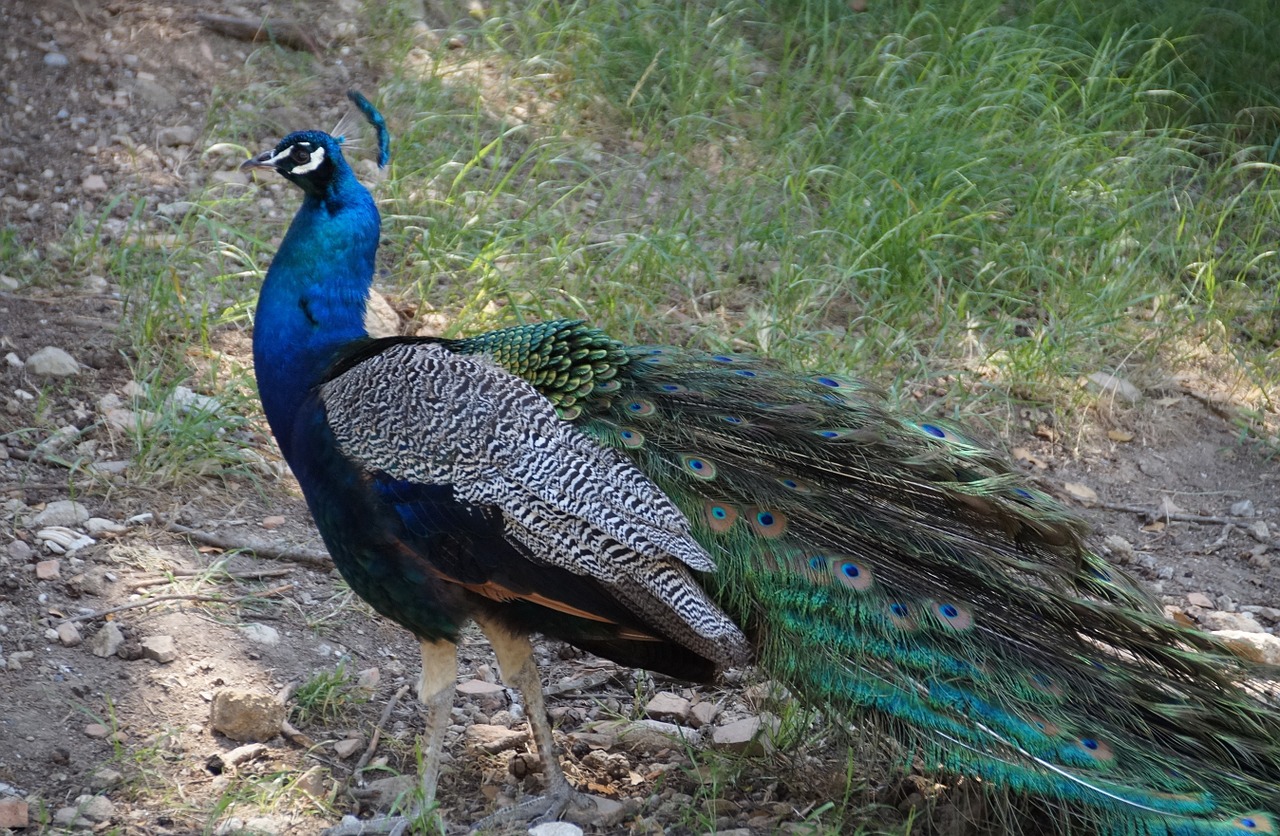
{"x": 435, "y": 691}
{"x": 515, "y": 659}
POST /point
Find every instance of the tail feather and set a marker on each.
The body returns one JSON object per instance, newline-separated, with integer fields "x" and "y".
{"x": 897, "y": 571}
{"x": 899, "y": 567}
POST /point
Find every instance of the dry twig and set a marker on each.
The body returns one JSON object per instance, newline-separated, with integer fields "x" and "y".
{"x": 377, "y": 730}
{"x": 307, "y": 557}
{"x": 161, "y": 599}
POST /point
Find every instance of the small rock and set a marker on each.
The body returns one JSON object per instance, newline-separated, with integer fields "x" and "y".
{"x": 56, "y": 60}
{"x": 368, "y": 679}
{"x": 1260, "y": 532}
{"x": 14, "y": 813}
{"x": 106, "y": 641}
{"x": 19, "y": 551}
{"x": 88, "y": 811}
{"x": 556, "y": 828}
{"x": 748, "y": 736}
{"x": 17, "y": 658}
{"x": 263, "y": 634}
{"x": 97, "y": 731}
{"x": 766, "y": 694}
{"x": 703, "y": 713}
{"x": 668, "y": 706}
{"x": 12, "y": 360}
{"x": 177, "y": 209}
{"x": 1116, "y": 387}
{"x": 385, "y": 791}
{"x": 272, "y": 522}
{"x": 312, "y": 782}
{"x": 159, "y": 649}
{"x": 52, "y": 361}
{"x": 97, "y": 526}
{"x": 346, "y": 748}
{"x": 494, "y": 739}
{"x": 606, "y": 816}
{"x": 1271, "y": 614}
{"x": 1199, "y": 599}
{"x": 104, "y": 779}
{"x": 1262, "y": 648}
{"x": 48, "y": 570}
{"x": 94, "y": 184}
{"x": 63, "y": 512}
{"x": 68, "y": 634}
{"x": 246, "y": 715}
{"x": 1243, "y": 508}
{"x": 1120, "y": 548}
{"x": 1221, "y": 620}
{"x": 488, "y": 695}
{"x": 178, "y": 135}
{"x": 187, "y": 402}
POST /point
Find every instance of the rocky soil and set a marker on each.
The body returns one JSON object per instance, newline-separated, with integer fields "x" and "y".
{"x": 147, "y": 634}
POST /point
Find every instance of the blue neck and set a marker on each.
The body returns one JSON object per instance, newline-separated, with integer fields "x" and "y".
{"x": 313, "y": 300}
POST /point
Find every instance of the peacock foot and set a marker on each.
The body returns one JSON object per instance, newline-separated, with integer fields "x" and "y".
{"x": 534, "y": 811}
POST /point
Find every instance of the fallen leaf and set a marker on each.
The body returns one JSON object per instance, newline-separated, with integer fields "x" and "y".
{"x": 1153, "y": 527}
{"x": 1120, "y": 435}
{"x": 1080, "y": 493}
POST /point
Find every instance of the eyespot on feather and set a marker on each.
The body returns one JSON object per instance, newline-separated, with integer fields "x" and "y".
{"x": 1256, "y": 823}
{"x": 766, "y": 523}
{"x": 698, "y": 467}
{"x": 1044, "y": 726}
{"x": 720, "y": 516}
{"x": 640, "y": 409}
{"x": 932, "y": 429}
{"x": 1044, "y": 685}
{"x": 632, "y": 439}
{"x": 953, "y": 616}
{"x": 853, "y": 575}
{"x": 1099, "y": 750}
{"x": 900, "y": 616}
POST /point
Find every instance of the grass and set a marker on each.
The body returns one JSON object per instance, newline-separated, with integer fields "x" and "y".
{"x": 998, "y": 200}
{"x": 867, "y": 194}
{"x": 328, "y": 697}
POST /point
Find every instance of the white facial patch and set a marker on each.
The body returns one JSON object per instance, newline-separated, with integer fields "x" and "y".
{"x": 317, "y": 157}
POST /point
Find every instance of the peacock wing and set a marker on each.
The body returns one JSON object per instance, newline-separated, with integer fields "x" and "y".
{"x": 417, "y": 413}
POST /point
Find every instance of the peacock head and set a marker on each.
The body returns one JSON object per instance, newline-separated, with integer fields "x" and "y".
{"x": 309, "y": 159}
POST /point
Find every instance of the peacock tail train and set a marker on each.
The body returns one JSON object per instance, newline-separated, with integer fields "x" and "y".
{"x": 893, "y": 566}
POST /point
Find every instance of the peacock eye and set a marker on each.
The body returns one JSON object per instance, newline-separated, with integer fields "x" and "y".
{"x": 299, "y": 154}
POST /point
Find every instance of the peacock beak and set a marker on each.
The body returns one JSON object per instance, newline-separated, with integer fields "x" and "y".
{"x": 265, "y": 160}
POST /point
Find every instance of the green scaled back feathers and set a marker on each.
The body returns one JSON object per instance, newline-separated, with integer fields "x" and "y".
{"x": 899, "y": 569}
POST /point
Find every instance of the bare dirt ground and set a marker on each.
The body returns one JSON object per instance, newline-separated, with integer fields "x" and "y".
{"x": 109, "y": 101}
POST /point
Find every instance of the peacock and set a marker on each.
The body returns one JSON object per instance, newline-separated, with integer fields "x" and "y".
{"x": 683, "y": 510}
